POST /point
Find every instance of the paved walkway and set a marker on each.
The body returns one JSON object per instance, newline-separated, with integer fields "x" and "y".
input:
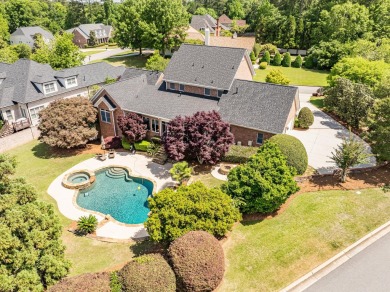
{"x": 323, "y": 136}
{"x": 104, "y": 54}
{"x": 367, "y": 271}
{"x": 140, "y": 166}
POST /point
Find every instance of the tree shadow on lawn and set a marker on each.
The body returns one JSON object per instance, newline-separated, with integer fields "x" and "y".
{"x": 44, "y": 151}
{"x": 146, "y": 246}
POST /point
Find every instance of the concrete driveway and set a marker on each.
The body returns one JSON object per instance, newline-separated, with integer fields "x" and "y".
{"x": 323, "y": 136}
{"x": 103, "y": 54}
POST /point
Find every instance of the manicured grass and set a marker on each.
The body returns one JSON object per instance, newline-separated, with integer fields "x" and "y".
{"x": 317, "y": 101}
{"x": 208, "y": 180}
{"x": 297, "y": 76}
{"x": 89, "y": 53}
{"x": 131, "y": 61}
{"x": 270, "y": 254}
{"x": 40, "y": 168}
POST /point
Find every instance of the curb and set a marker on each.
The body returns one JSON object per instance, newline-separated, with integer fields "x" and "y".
{"x": 325, "y": 268}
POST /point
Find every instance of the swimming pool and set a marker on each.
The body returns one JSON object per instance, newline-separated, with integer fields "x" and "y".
{"x": 115, "y": 192}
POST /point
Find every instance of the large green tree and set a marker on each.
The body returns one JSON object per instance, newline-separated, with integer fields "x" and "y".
{"x": 4, "y": 31}
{"x": 31, "y": 251}
{"x": 234, "y": 9}
{"x": 18, "y": 13}
{"x": 164, "y": 24}
{"x": 379, "y": 128}
{"x": 128, "y": 29}
{"x": 351, "y": 101}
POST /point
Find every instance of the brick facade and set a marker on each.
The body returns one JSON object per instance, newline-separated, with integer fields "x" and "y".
{"x": 192, "y": 89}
{"x": 79, "y": 39}
{"x": 244, "y": 135}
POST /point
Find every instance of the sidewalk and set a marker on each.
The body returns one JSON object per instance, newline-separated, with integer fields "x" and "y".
{"x": 338, "y": 260}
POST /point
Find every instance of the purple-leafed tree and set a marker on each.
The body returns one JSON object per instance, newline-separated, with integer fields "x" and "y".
{"x": 203, "y": 136}
{"x": 132, "y": 127}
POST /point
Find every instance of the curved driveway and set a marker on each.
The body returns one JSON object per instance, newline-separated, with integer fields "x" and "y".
{"x": 323, "y": 136}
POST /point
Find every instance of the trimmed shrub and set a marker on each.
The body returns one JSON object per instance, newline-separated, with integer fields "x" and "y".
{"x": 286, "y": 62}
{"x": 252, "y": 56}
{"x": 90, "y": 282}
{"x": 266, "y": 57}
{"x": 309, "y": 62}
{"x": 86, "y": 225}
{"x": 271, "y": 181}
{"x": 263, "y": 65}
{"x": 180, "y": 171}
{"x": 142, "y": 146}
{"x": 277, "y": 59}
{"x": 193, "y": 207}
{"x": 198, "y": 261}
{"x": 257, "y": 49}
{"x": 239, "y": 154}
{"x": 125, "y": 144}
{"x": 276, "y": 76}
{"x": 305, "y": 118}
{"x": 113, "y": 142}
{"x": 147, "y": 273}
{"x": 294, "y": 151}
{"x": 297, "y": 62}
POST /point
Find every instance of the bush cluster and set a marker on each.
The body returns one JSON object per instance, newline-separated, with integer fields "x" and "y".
{"x": 147, "y": 273}
{"x": 125, "y": 144}
{"x": 84, "y": 283}
{"x": 142, "y": 146}
{"x": 193, "y": 207}
{"x": 294, "y": 151}
{"x": 305, "y": 118}
{"x": 112, "y": 142}
{"x": 297, "y": 63}
{"x": 198, "y": 261}
{"x": 263, "y": 65}
{"x": 239, "y": 154}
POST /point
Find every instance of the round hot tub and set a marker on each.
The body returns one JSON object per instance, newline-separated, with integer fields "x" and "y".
{"x": 78, "y": 180}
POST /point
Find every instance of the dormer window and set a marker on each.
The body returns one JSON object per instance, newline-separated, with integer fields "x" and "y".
{"x": 181, "y": 87}
{"x": 49, "y": 88}
{"x": 172, "y": 86}
{"x": 207, "y": 91}
{"x": 71, "y": 82}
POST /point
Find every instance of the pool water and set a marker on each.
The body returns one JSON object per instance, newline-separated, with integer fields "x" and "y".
{"x": 116, "y": 193}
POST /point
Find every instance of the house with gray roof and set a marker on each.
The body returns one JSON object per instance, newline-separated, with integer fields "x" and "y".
{"x": 82, "y": 33}
{"x": 201, "y": 78}
{"x": 26, "y": 87}
{"x": 201, "y": 22}
{"x": 25, "y": 35}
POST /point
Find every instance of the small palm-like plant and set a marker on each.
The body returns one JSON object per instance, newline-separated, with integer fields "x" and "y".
{"x": 87, "y": 224}
{"x": 180, "y": 171}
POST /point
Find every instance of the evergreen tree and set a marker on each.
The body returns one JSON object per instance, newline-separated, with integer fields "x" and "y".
{"x": 277, "y": 59}
{"x": 286, "y": 62}
{"x": 266, "y": 57}
{"x": 297, "y": 63}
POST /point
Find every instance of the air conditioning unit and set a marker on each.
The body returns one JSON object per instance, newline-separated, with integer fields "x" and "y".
{"x": 238, "y": 143}
{"x": 249, "y": 143}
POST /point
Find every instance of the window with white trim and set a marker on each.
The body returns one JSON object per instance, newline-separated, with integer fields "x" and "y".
{"x": 260, "y": 138}
{"x": 207, "y": 91}
{"x": 49, "y": 87}
{"x": 105, "y": 116}
{"x": 155, "y": 126}
{"x": 9, "y": 115}
{"x": 172, "y": 86}
{"x": 71, "y": 82}
{"x": 146, "y": 122}
{"x": 34, "y": 112}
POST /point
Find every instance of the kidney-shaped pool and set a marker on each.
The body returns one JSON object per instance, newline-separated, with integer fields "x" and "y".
{"x": 115, "y": 192}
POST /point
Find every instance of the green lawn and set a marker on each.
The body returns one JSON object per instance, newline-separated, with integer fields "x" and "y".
{"x": 297, "y": 76}
{"x": 270, "y": 254}
{"x": 317, "y": 101}
{"x": 132, "y": 61}
{"x": 208, "y": 180}
{"x": 40, "y": 168}
{"x": 89, "y": 53}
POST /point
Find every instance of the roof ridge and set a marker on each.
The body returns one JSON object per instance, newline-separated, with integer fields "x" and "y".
{"x": 210, "y": 46}
{"x": 273, "y": 84}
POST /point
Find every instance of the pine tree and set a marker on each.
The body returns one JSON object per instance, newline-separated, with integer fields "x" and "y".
{"x": 286, "y": 62}
{"x": 277, "y": 59}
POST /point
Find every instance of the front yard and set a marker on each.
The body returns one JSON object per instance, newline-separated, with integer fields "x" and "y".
{"x": 128, "y": 61}
{"x": 297, "y": 76}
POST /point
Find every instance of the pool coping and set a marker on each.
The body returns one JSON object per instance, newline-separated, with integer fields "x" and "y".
{"x": 108, "y": 217}
{"x": 81, "y": 185}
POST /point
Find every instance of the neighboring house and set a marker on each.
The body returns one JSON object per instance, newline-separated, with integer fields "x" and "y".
{"x": 82, "y": 33}
{"x": 238, "y": 42}
{"x": 193, "y": 34}
{"x": 226, "y": 21}
{"x": 201, "y": 78}
{"x": 26, "y": 87}
{"x": 25, "y": 35}
{"x": 201, "y": 22}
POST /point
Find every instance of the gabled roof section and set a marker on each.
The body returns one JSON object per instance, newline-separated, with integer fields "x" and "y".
{"x": 152, "y": 77}
{"x": 205, "y": 66}
{"x": 30, "y": 31}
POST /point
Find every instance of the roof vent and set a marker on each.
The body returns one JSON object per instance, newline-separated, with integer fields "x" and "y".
{"x": 193, "y": 64}
{"x": 236, "y": 90}
{"x": 212, "y": 81}
{"x": 202, "y": 66}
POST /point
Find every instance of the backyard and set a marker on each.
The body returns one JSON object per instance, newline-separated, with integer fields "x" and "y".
{"x": 313, "y": 227}
{"x": 297, "y": 76}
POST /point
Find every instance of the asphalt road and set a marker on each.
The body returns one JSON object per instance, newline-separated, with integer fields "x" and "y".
{"x": 367, "y": 271}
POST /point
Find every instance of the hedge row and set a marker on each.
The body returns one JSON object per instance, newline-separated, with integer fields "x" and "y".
{"x": 239, "y": 154}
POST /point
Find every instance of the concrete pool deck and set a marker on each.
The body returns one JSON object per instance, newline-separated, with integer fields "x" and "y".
{"x": 139, "y": 165}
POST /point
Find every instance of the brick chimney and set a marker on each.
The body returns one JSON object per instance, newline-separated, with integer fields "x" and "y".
{"x": 207, "y": 36}
{"x": 217, "y": 29}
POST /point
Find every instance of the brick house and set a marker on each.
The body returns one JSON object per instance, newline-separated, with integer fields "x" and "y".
{"x": 81, "y": 34}
{"x": 201, "y": 78}
{"x": 226, "y": 21}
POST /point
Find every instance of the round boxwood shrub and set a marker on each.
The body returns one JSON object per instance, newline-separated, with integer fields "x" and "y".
{"x": 263, "y": 65}
{"x": 294, "y": 151}
{"x": 305, "y": 118}
{"x": 198, "y": 261}
{"x": 297, "y": 63}
{"x": 147, "y": 273}
{"x": 84, "y": 283}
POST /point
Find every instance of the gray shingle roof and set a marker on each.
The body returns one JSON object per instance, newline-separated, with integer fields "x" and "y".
{"x": 255, "y": 105}
{"x": 21, "y": 75}
{"x": 31, "y": 31}
{"x": 205, "y": 66}
{"x": 85, "y": 29}
{"x": 200, "y": 22}
{"x": 151, "y": 76}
